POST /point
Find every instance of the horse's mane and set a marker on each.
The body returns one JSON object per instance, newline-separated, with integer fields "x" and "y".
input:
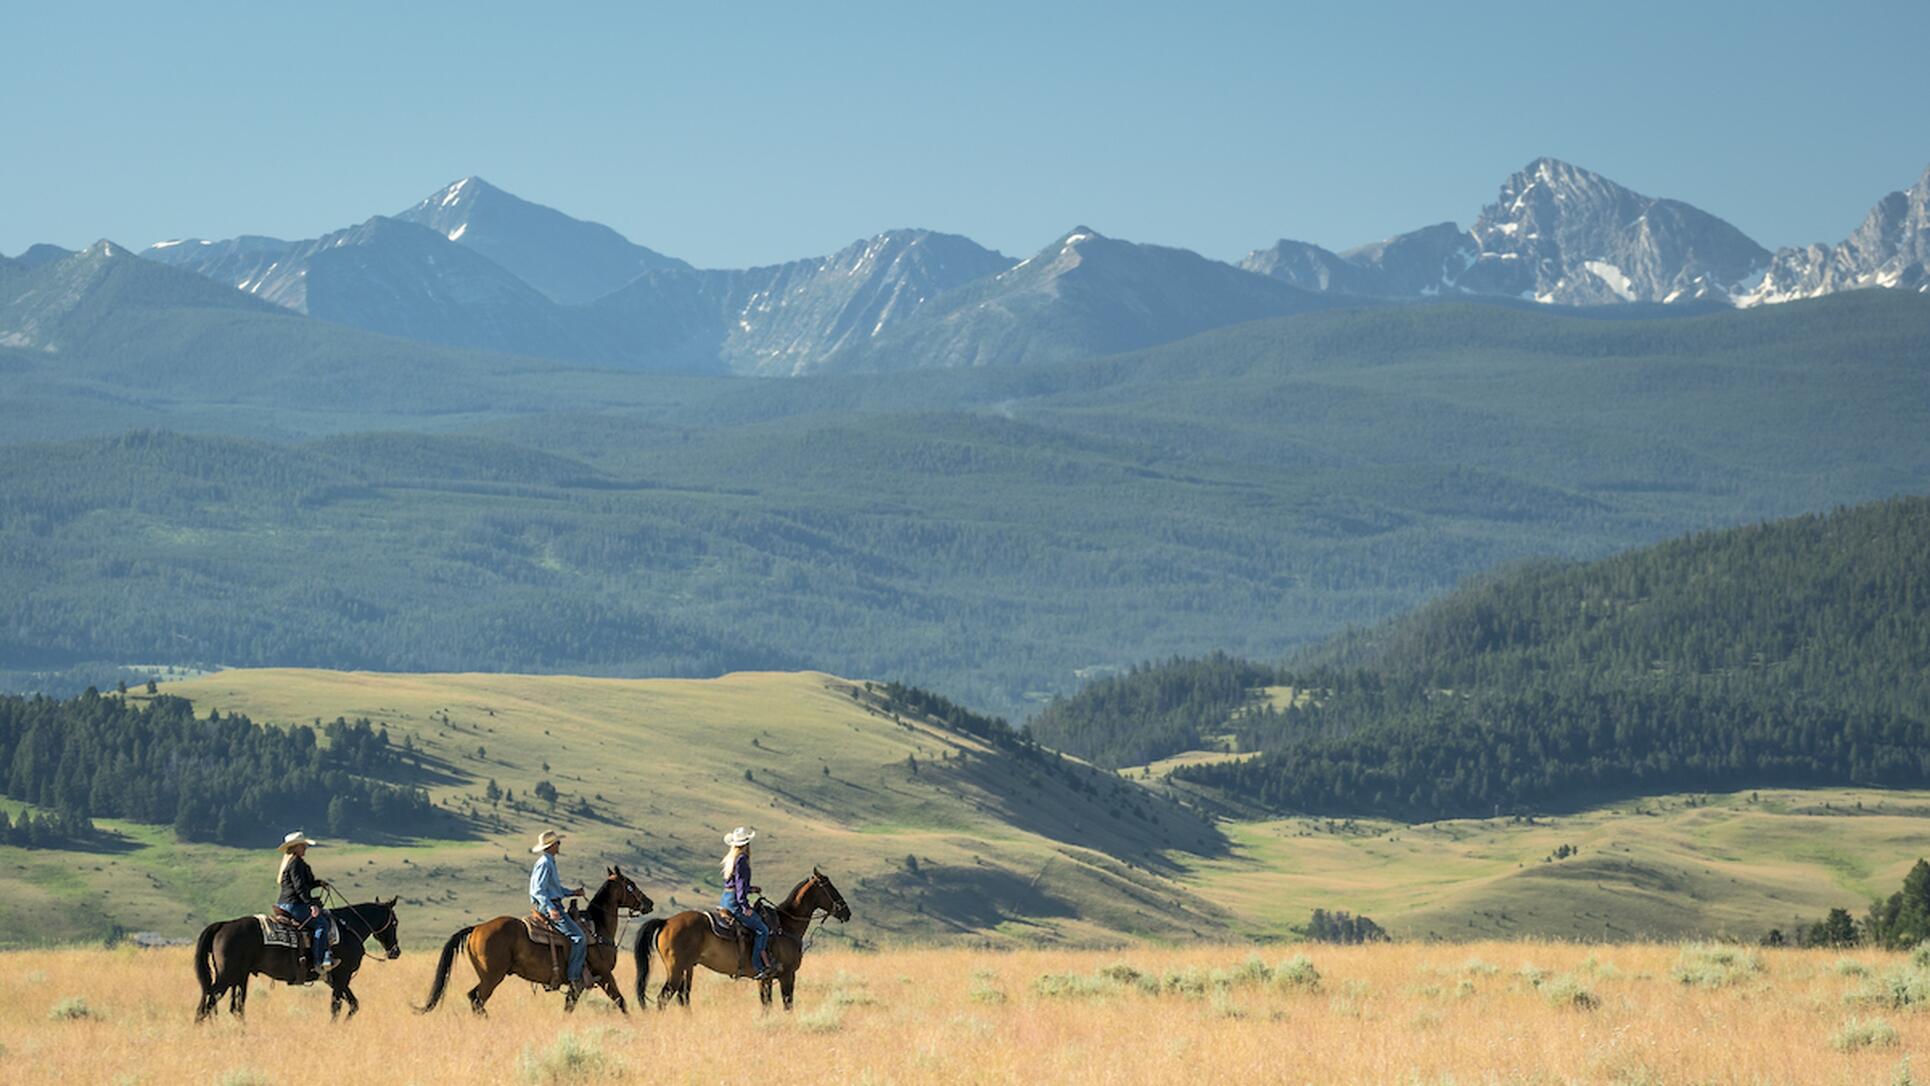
{"x": 792, "y": 896}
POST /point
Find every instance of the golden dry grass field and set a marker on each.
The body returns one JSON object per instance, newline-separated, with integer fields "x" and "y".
{"x": 1522, "y": 1012}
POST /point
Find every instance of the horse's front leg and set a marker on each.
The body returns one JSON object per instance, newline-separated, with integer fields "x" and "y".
{"x": 764, "y": 993}
{"x": 787, "y": 983}
{"x": 608, "y": 982}
{"x": 343, "y": 995}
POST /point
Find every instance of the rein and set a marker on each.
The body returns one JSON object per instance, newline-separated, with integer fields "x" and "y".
{"x": 349, "y": 912}
{"x": 805, "y": 938}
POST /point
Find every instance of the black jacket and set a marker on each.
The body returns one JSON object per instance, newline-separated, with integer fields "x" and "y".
{"x": 298, "y": 884}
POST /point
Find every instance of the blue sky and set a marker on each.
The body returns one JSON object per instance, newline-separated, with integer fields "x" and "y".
{"x": 732, "y": 134}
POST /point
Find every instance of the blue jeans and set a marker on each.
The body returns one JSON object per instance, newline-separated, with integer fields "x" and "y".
{"x": 316, "y": 927}
{"x": 752, "y": 921}
{"x": 578, "y": 947}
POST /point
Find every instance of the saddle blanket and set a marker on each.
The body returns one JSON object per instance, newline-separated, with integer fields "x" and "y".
{"x": 276, "y": 933}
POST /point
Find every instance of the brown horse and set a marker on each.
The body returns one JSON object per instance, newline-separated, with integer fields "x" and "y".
{"x": 686, "y": 941}
{"x": 501, "y": 947}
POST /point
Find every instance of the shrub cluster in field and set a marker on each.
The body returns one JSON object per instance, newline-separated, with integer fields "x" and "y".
{"x": 573, "y": 1057}
{"x": 1899, "y": 987}
{"x": 1712, "y": 965}
{"x": 1295, "y": 973}
{"x": 1860, "y": 1033}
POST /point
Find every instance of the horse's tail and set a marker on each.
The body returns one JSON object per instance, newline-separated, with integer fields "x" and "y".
{"x": 646, "y": 942}
{"x": 443, "y": 965}
{"x": 204, "y": 959}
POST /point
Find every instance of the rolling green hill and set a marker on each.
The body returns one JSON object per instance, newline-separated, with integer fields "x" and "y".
{"x": 979, "y": 844}
{"x": 933, "y": 832}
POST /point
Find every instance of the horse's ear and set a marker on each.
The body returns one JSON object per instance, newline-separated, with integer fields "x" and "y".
{"x": 611, "y": 871}
{"x": 816, "y": 872}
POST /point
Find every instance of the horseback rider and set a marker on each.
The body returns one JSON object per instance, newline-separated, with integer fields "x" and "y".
{"x": 300, "y": 898}
{"x": 547, "y": 892}
{"x": 737, "y": 896}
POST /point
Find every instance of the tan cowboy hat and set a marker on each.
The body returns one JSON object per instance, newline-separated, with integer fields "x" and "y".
{"x": 296, "y": 838}
{"x": 739, "y": 837}
{"x": 545, "y": 839}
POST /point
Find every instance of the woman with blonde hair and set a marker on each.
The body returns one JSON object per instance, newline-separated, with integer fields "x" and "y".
{"x": 737, "y": 895}
{"x": 299, "y": 898}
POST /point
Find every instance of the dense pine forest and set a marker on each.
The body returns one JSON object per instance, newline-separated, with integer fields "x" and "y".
{"x": 1154, "y": 710}
{"x": 1789, "y": 653}
{"x": 213, "y": 778}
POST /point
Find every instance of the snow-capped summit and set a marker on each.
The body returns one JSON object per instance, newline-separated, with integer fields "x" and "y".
{"x": 1560, "y": 233}
{"x": 568, "y": 259}
{"x": 1555, "y": 233}
{"x": 1890, "y": 249}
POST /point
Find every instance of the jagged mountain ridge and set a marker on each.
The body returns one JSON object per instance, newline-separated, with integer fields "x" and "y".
{"x": 1556, "y": 233}
{"x": 783, "y": 319}
{"x": 569, "y": 260}
{"x": 1890, "y": 249}
{"x": 505, "y": 274}
{"x": 1083, "y": 295}
{"x": 400, "y": 279}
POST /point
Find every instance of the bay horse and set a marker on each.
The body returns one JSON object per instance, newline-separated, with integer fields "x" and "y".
{"x": 686, "y": 941}
{"x": 501, "y": 948}
{"x": 229, "y": 951}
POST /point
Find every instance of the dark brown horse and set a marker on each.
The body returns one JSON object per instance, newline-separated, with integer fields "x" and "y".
{"x": 686, "y": 941}
{"x": 502, "y": 947}
{"x": 229, "y": 951}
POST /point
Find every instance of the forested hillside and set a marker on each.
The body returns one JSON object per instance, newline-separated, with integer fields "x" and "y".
{"x": 212, "y": 778}
{"x": 1154, "y": 710}
{"x": 1790, "y": 653}
{"x": 992, "y": 534}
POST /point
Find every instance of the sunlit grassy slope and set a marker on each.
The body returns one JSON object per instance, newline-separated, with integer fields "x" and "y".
{"x": 1002, "y": 851}
{"x": 1004, "y": 854}
{"x": 1662, "y": 867}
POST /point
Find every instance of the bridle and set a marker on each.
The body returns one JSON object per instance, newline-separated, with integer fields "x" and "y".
{"x": 811, "y": 916}
{"x": 348, "y": 912}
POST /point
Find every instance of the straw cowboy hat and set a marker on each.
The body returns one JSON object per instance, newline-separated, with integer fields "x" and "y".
{"x": 545, "y": 839}
{"x": 293, "y": 839}
{"x": 739, "y": 837}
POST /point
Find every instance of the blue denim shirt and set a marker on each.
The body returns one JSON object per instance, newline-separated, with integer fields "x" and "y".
{"x": 546, "y": 889}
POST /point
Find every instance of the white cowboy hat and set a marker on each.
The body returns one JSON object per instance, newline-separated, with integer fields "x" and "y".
{"x": 739, "y": 837}
{"x": 545, "y": 839}
{"x": 293, "y": 839}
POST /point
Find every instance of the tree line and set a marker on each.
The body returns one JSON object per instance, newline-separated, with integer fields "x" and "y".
{"x": 1793, "y": 653}
{"x": 216, "y": 778}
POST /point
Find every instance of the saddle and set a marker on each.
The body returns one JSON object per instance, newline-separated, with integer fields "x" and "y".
{"x": 278, "y": 929}
{"x": 725, "y": 924}
{"x": 545, "y": 934}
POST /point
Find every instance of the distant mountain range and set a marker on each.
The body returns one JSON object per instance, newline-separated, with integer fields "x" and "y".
{"x": 472, "y": 266}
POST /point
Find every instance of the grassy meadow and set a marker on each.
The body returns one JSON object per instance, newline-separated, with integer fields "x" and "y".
{"x": 666, "y": 767}
{"x": 1003, "y": 856}
{"x": 1520, "y": 1012}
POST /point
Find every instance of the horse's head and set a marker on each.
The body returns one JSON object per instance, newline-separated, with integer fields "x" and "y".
{"x": 387, "y": 933}
{"x": 825, "y": 896}
{"x": 628, "y": 894}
